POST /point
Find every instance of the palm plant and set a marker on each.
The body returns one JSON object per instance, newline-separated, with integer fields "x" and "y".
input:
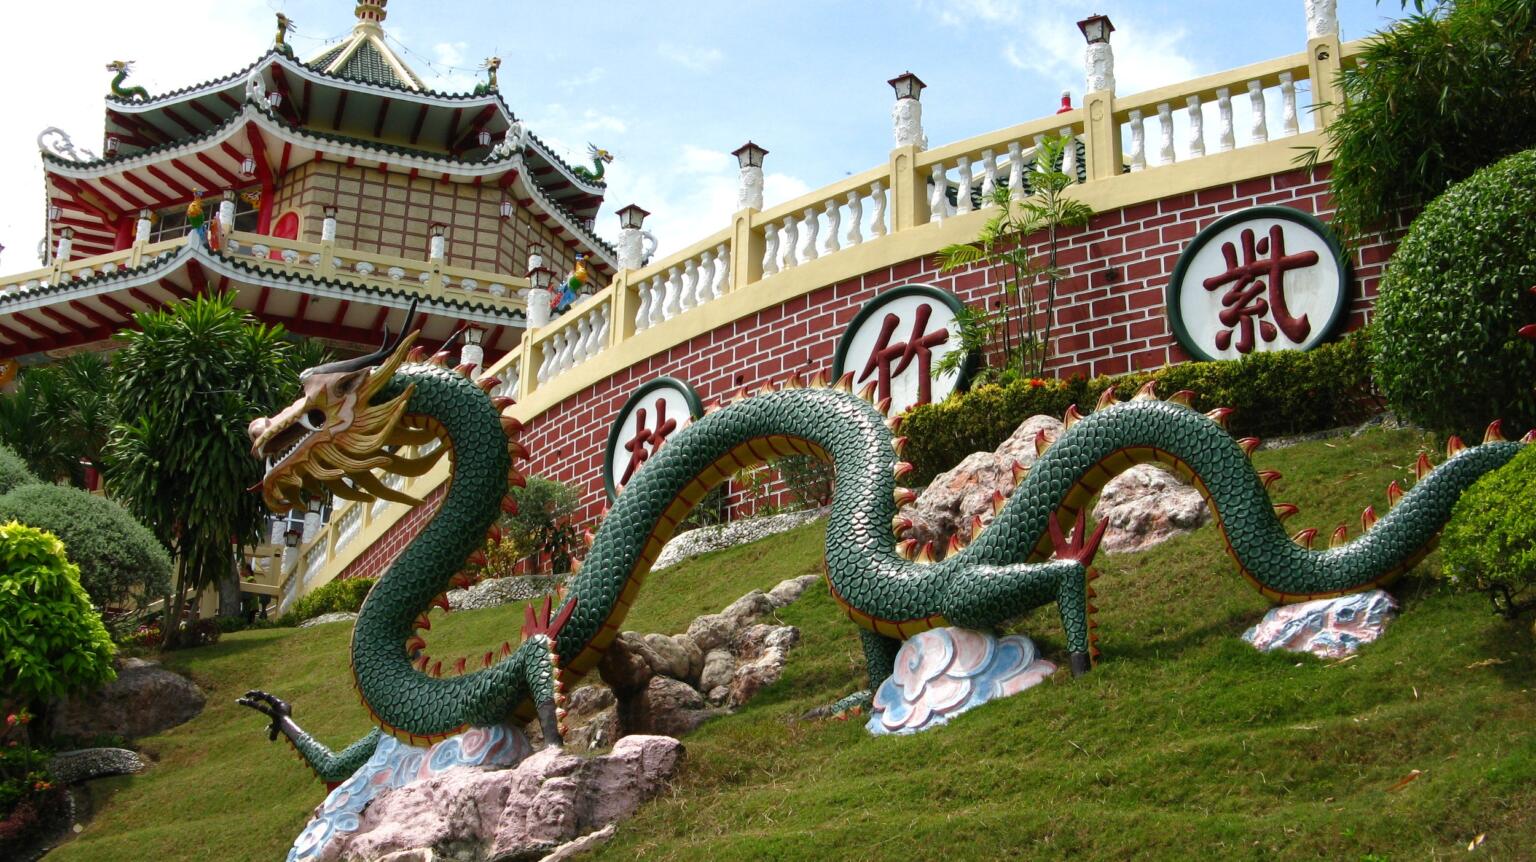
{"x": 1027, "y": 284}
{"x": 187, "y": 384}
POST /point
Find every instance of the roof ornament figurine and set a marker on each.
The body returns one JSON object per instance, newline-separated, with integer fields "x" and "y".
{"x": 256, "y": 90}
{"x": 490, "y": 66}
{"x": 285, "y": 26}
{"x": 57, "y": 141}
{"x": 599, "y": 158}
{"x": 122, "y": 68}
{"x": 510, "y": 143}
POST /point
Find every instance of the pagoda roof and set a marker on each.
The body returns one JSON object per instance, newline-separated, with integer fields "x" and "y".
{"x": 415, "y": 119}
{"x": 92, "y": 305}
{"x": 98, "y": 192}
{"x": 365, "y": 56}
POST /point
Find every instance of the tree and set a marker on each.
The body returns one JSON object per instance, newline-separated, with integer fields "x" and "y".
{"x": 57, "y": 419}
{"x": 52, "y": 644}
{"x": 1429, "y": 101}
{"x": 120, "y": 561}
{"x": 1004, "y": 246}
{"x": 186, "y": 386}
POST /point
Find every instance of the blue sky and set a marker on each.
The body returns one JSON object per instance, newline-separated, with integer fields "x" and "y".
{"x": 670, "y": 88}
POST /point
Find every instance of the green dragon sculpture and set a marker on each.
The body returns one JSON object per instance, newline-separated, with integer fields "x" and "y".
{"x": 353, "y": 414}
{"x": 599, "y": 157}
{"x": 122, "y": 68}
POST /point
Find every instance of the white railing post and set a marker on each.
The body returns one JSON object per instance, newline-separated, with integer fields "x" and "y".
{"x": 1228, "y": 138}
{"x": 1258, "y": 132}
{"x": 1196, "y": 127}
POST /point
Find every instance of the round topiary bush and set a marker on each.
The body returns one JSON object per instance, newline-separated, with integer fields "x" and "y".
{"x": 1490, "y": 542}
{"x": 119, "y": 558}
{"x": 14, "y": 471}
{"x": 52, "y": 643}
{"x": 1448, "y": 351}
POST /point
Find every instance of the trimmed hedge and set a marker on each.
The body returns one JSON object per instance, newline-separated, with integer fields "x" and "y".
{"x": 344, "y": 596}
{"x": 118, "y": 557}
{"x": 1274, "y": 393}
{"x": 1490, "y": 542}
{"x": 1455, "y": 294}
{"x": 14, "y": 471}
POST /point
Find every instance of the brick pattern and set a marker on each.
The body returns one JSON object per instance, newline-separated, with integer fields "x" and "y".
{"x": 1106, "y": 324}
{"x": 391, "y": 213}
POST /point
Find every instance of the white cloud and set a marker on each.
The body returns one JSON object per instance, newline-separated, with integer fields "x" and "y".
{"x": 691, "y": 57}
{"x": 586, "y": 79}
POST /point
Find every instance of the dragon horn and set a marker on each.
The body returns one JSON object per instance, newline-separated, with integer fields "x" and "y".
{"x": 1454, "y": 446}
{"x": 1422, "y": 466}
{"x": 1072, "y": 416}
{"x": 1147, "y": 392}
{"x": 1495, "y": 432}
{"x": 1368, "y": 518}
{"x": 1183, "y": 398}
{"x": 1108, "y": 399}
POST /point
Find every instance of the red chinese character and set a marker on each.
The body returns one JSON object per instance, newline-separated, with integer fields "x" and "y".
{"x": 1243, "y": 304}
{"x": 892, "y": 359}
{"x": 646, "y": 440}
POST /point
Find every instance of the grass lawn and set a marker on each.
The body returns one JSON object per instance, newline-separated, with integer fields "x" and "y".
{"x": 1184, "y": 743}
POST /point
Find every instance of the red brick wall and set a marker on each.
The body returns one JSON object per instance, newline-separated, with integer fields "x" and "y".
{"x": 1106, "y": 324}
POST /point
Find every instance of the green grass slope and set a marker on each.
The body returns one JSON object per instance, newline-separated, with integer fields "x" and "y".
{"x": 1184, "y": 743}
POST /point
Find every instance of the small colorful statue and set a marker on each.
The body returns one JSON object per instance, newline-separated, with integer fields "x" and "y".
{"x": 599, "y": 157}
{"x": 574, "y": 285}
{"x": 122, "y": 68}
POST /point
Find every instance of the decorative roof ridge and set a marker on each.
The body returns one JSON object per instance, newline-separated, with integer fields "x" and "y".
{"x": 213, "y": 83}
{"x": 148, "y": 153}
{"x": 572, "y": 222}
{"x": 104, "y": 276}
{"x": 595, "y": 186}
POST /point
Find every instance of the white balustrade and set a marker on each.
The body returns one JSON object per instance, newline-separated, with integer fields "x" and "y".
{"x": 658, "y": 298}
{"x": 938, "y": 196}
{"x": 963, "y": 194}
{"x": 1015, "y": 171}
{"x": 1224, "y": 110}
{"x": 1068, "y": 152}
{"x": 855, "y": 219}
{"x": 877, "y": 225}
{"x": 686, "y": 287}
{"x": 834, "y": 222}
{"x": 722, "y": 283}
{"x": 1138, "y": 142}
{"x": 1289, "y": 125}
{"x": 791, "y": 240}
{"x": 669, "y": 305}
{"x": 770, "y": 250}
{"x": 808, "y": 250}
{"x": 1165, "y": 122}
{"x": 988, "y": 178}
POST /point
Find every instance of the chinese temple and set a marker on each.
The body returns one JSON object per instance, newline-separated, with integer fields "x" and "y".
{"x": 332, "y": 191}
{"x": 325, "y": 192}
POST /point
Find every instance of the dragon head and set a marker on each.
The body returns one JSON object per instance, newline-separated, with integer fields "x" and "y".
{"x": 123, "y": 66}
{"x": 599, "y": 153}
{"x": 335, "y": 431}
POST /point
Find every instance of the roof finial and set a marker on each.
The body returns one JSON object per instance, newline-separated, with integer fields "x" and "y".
{"x": 371, "y": 11}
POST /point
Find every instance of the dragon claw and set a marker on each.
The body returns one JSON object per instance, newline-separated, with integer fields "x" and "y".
{"x": 269, "y": 705}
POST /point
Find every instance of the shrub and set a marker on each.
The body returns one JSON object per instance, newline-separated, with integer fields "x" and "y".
{"x": 14, "y": 471}
{"x": 1448, "y": 354}
{"x": 52, "y": 643}
{"x": 341, "y": 596}
{"x": 120, "y": 560}
{"x": 1490, "y": 542}
{"x": 544, "y": 525}
{"x": 1282, "y": 392}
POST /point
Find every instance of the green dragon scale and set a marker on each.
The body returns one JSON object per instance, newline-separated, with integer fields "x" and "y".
{"x": 353, "y": 417}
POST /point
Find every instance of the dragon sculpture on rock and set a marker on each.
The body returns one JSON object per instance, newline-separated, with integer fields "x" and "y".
{"x": 354, "y": 415}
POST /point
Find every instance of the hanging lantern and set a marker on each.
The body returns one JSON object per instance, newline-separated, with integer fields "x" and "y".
{"x": 506, "y": 207}
{"x": 907, "y": 86}
{"x": 473, "y": 336}
{"x": 1096, "y": 28}
{"x": 631, "y": 217}
{"x": 54, "y": 212}
{"x": 112, "y": 144}
{"x": 275, "y": 99}
{"x": 484, "y": 137}
{"x": 248, "y": 166}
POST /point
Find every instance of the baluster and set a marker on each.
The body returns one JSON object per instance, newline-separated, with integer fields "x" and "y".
{"x": 1196, "y": 127}
{"x": 1068, "y": 152}
{"x": 706, "y": 276}
{"x": 770, "y": 250}
{"x": 791, "y": 241}
{"x": 722, "y": 272}
{"x": 1039, "y": 148}
{"x": 1138, "y": 142}
{"x": 1015, "y": 172}
{"x": 583, "y": 339}
{"x": 1258, "y": 133}
{"x": 558, "y": 365}
{"x": 834, "y": 222}
{"x": 669, "y": 308}
{"x": 567, "y": 358}
{"x": 1224, "y": 110}
{"x": 643, "y": 314}
{"x": 808, "y": 250}
{"x": 1288, "y": 122}
{"x": 938, "y": 199}
{"x": 658, "y": 298}
{"x": 877, "y": 218}
{"x": 687, "y": 296}
{"x": 988, "y": 178}
{"x": 1165, "y": 120}
{"x": 546, "y": 356}
{"x": 600, "y": 340}
{"x": 855, "y": 233}
{"x": 963, "y": 196}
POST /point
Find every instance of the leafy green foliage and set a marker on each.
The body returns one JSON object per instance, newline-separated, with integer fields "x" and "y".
{"x": 544, "y": 525}
{"x": 14, "y": 471}
{"x": 1023, "y": 312}
{"x": 1281, "y": 392}
{"x": 59, "y": 415}
{"x": 1437, "y": 96}
{"x": 1490, "y": 543}
{"x": 341, "y": 596}
{"x": 1449, "y": 355}
{"x": 52, "y": 643}
{"x": 188, "y": 382}
{"x": 120, "y": 560}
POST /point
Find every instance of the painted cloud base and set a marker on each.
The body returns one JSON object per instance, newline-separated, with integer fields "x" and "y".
{"x": 1326, "y": 628}
{"x": 395, "y": 764}
{"x": 943, "y": 672}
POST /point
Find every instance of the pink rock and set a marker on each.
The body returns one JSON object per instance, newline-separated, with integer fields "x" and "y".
{"x": 1146, "y": 506}
{"x": 548, "y": 800}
